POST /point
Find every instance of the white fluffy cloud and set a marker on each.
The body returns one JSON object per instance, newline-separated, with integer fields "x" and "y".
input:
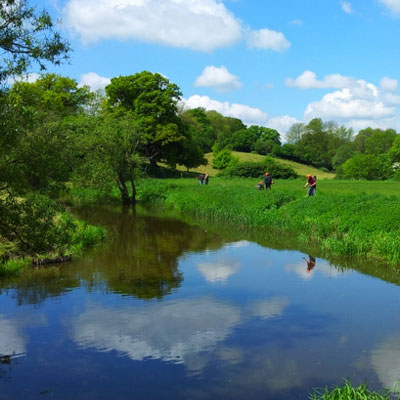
{"x": 389, "y": 84}
{"x": 346, "y": 7}
{"x": 249, "y": 115}
{"x": 308, "y": 80}
{"x": 267, "y": 39}
{"x": 392, "y": 5}
{"x": 360, "y": 101}
{"x": 282, "y": 124}
{"x": 218, "y": 78}
{"x": 196, "y": 24}
{"x": 30, "y": 78}
{"x": 357, "y": 104}
{"x": 94, "y": 81}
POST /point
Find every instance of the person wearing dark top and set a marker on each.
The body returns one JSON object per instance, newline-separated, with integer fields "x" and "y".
{"x": 267, "y": 180}
{"x": 201, "y": 178}
{"x": 206, "y": 176}
{"x": 311, "y": 183}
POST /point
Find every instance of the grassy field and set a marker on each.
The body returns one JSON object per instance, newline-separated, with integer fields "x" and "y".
{"x": 300, "y": 169}
{"x": 345, "y": 218}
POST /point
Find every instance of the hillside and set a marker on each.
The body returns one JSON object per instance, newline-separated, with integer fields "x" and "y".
{"x": 300, "y": 169}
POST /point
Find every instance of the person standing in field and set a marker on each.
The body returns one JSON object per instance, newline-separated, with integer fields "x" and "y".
{"x": 201, "y": 178}
{"x": 206, "y": 176}
{"x": 311, "y": 183}
{"x": 267, "y": 180}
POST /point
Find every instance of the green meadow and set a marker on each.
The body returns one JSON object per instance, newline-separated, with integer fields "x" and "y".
{"x": 344, "y": 218}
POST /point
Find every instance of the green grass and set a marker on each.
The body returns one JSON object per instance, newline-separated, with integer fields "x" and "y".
{"x": 82, "y": 236}
{"x": 349, "y": 392}
{"x": 300, "y": 169}
{"x": 343, "y": 219}
{"x": 13, "y": 266}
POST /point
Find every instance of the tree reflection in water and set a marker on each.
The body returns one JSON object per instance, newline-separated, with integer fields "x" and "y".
{"x": 142, "y": 253}
{"x": 139, "y": 258}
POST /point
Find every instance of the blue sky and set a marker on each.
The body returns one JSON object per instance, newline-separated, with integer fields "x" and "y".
{"x": 268, "y": 62}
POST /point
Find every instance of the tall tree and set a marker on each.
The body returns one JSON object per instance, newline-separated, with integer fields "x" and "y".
{"x": 108, "y": 152}
{"x": 26, "y": 38}
{"x": 153, "y": 102}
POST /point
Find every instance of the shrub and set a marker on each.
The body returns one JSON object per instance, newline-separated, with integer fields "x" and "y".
{"x": 222, "y": 159}
{"x": 365, "y": 166}
{"x": 257, "y": 169}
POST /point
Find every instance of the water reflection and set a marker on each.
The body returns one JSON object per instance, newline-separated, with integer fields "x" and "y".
{"x": 385, "y": 360}
{"x": 141, "y": 257}
{"x": 164, "y": 309}
{"x": 175, "y": 331}
{"x": 268, "y": 308}
{"x": 310, "y": 263}
{"x": 12, "y": 340}
{"x": 220, "y": 270}
{"x": 308, "y": 271}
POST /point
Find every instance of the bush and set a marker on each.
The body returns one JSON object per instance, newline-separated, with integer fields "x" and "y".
{"x": 222, "y": 159}
{"x": 365, "y": 166}
{"x": 257, "y": 169}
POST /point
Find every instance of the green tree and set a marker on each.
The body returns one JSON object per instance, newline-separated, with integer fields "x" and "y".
{"x": 295, "y": 133}
{"x": 28, "y": 220}
{"x": 200, "y": 128}
{"x": 37, "y": 152}
{"x": 394, "y": 151}
{"x": 380, "y": 141}
{"x": 224, "y": 128}
{"x": 109, "y": 152}
{"x": 222, "y": 159}
{"x": 27, "y": 37}
{"x": 365, "y": 166}
{"x": 343, "y": 153}
{"x": 153, "y": 102}
{"x": 361, "y": 139}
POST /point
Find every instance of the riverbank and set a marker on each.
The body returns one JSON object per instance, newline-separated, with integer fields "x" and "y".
{"x": 340, "y": 223}
{"x": 80, "y": 234}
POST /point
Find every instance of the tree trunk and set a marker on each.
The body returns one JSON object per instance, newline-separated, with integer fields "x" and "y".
{"x": 153, "y": 163}
{"x": 124, "y": 192}
{"x": 133, "y": 197}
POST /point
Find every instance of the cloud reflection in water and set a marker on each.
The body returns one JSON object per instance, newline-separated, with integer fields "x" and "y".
{"x": 184, "y": 331}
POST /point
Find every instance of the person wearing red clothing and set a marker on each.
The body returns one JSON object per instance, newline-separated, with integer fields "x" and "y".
{"x": 311, "y": 183}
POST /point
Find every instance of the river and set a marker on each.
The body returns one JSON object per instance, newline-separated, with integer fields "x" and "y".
{"x": 164, "y": 309}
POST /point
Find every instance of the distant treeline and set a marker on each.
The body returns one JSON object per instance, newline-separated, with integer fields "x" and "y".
{"x": 372, "y": 154}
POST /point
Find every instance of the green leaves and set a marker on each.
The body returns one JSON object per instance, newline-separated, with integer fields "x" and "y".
{"x": 27, "y": 37}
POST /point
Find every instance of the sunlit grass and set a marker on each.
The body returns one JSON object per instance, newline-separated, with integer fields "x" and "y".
{"x": 349, "y": 392}
{"x": 300, "y": 169}
{"x": 343, "y": 218}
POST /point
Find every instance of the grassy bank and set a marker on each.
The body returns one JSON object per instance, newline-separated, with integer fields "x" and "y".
{"x": 344, "y": 218}
{"x": 349, "y": 392}
{"x": 81, "y": 236}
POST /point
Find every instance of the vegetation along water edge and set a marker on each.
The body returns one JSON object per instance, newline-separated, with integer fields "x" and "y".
{"x": 339, "y": 222}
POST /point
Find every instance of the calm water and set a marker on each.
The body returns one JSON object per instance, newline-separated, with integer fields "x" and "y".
{"x": 165, "y": 310}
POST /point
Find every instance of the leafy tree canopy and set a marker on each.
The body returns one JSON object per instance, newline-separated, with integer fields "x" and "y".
{"x": 27, "y": 37}
{"x": 153, "y": 102}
